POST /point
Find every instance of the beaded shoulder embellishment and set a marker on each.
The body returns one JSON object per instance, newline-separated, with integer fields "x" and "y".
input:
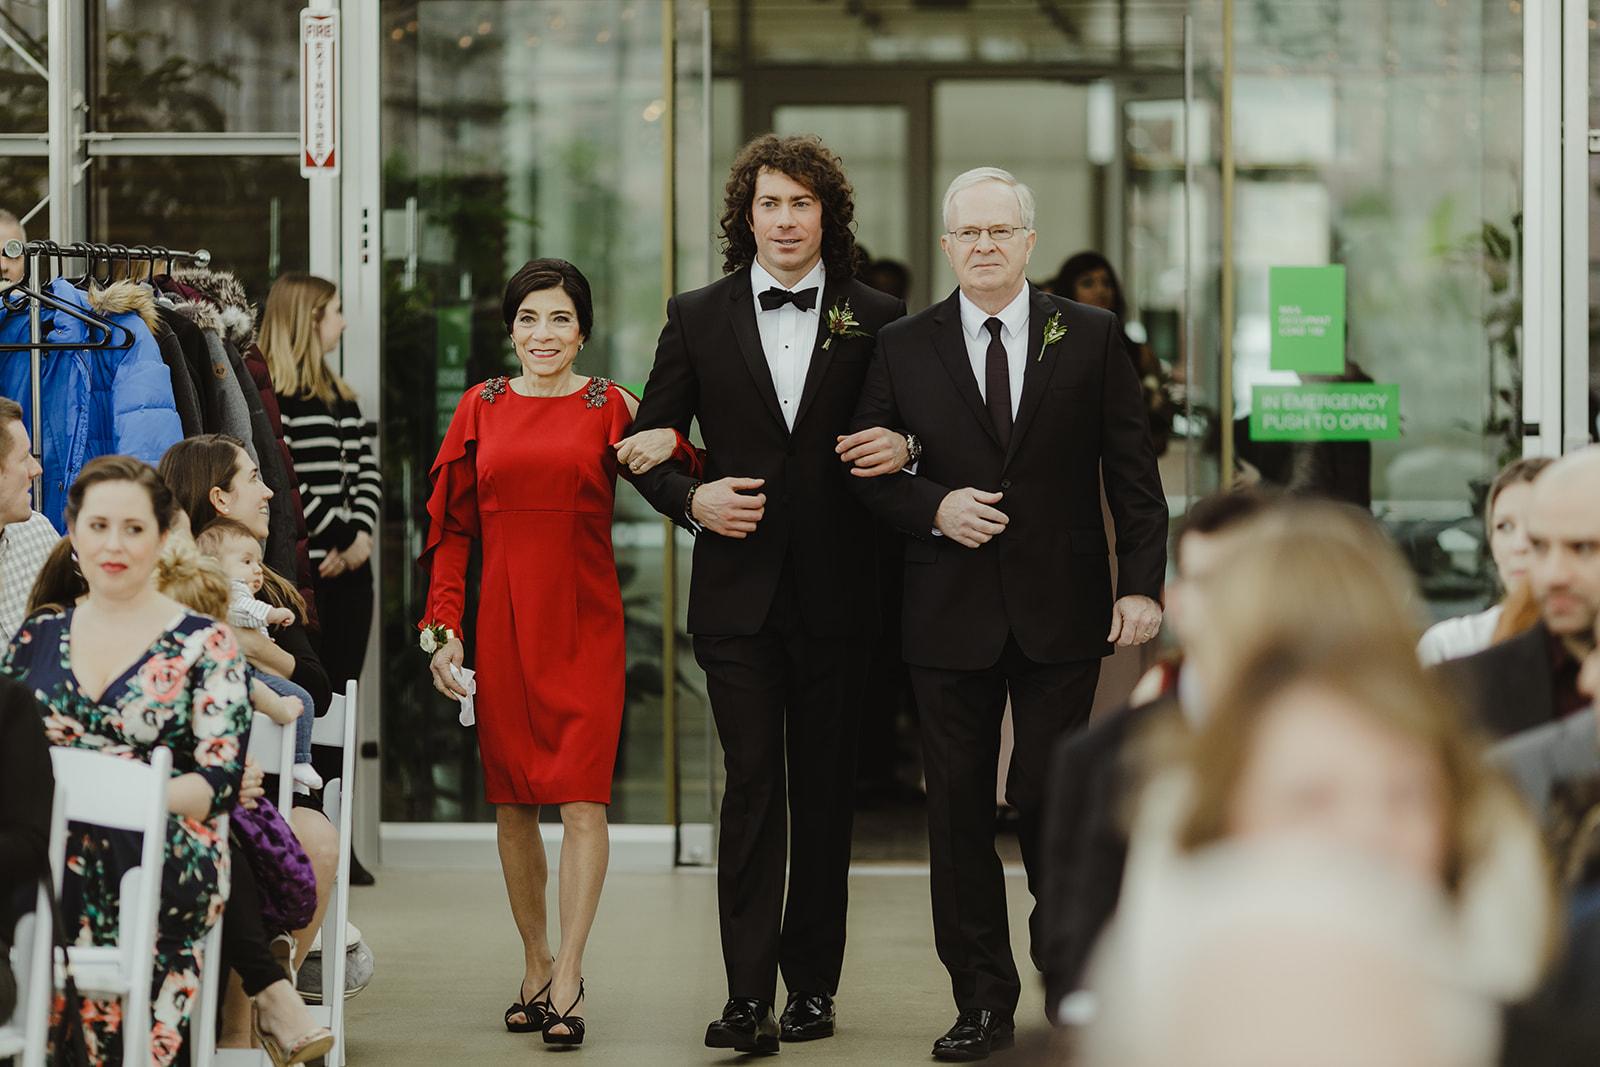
{"x": 595, "y": 394}
{"x": 493, "y": 388}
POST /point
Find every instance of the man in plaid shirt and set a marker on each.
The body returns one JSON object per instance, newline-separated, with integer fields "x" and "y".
{"x": 27, "y": 537}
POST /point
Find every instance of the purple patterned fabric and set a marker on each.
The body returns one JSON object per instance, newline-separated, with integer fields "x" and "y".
{"x": 284, "y": 877}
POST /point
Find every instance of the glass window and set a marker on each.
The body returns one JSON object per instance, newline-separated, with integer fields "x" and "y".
{"x": 1387, "y": 140}
{"x": 196, "y": 65}
{"x": 24, "y": 183}
{"x": 1037, "y": 130}
{"x": 874, "y": 141}
{"x": 24, "y": 107}
{"x": 250, "y": 212}
{"x": 514, "y": 130}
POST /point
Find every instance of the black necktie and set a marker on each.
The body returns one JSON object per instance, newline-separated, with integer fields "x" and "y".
{"x": 997, "y": 383}
{"x": 774, "y": 298}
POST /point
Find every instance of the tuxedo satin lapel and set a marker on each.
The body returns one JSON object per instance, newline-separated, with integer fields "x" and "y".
{"x": 742, "y": 311}
{"x": 952, "y": 350}
{"x": 822, "y": 353}
{"x": 1037, "y": 370}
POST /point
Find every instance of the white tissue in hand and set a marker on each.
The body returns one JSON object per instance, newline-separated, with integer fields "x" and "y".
{"x": 466, "y": 678}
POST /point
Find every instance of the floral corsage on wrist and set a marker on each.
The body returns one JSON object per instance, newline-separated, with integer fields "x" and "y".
{"x": 842, "y": 323}
{"x": 434, "y": 636}
{"x": 1053, "y": 332}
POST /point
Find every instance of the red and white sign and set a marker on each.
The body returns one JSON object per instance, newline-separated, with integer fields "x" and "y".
{"x": 319, "y": 92}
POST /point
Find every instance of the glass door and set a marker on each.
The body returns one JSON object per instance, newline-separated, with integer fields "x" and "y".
{"x": 515, "y": 129}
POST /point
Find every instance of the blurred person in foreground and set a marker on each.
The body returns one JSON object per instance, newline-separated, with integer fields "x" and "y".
{"x": 1085, "y": 841}
{"x": 1505, "y": 514}
{"x": 1367, "y": 948}
{"x": 1532, "y": 678}
{"x": 1315, "y": 569}
{"x": 1348, "y": 745}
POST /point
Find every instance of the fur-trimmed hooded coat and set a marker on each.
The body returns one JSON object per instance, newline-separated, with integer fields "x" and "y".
{"x": 234, "y": 318}
{"x": 94, "y": 402}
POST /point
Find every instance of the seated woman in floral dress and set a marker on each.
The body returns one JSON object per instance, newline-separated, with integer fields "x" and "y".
{"x": 124, "y": 671}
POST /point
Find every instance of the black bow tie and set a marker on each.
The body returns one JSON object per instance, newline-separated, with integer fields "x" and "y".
{"x": 775, "y": 298}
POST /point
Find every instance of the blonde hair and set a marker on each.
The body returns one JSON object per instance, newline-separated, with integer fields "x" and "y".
{"x": 1312, "y": 571}
{"x": 294, "y": 311}
{"x": 1388, "y": 684}
{"x": 195, "y": 581}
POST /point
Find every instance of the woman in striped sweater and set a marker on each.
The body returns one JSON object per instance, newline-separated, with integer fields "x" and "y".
{"x": 332, "y": 446}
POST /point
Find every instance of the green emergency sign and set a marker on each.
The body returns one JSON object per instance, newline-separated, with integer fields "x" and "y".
{"x": 1325, "y": 411}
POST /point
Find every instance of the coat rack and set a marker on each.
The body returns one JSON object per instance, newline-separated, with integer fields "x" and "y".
{"x": 36, "y": 257}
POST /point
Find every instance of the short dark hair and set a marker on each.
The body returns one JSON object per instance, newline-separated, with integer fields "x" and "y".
{"x": 805, "y": 161}
{"x": 536, "y": 276}
{"x": 10, "y": 411}
{"x": 1215, "y": 513}
{"x": 1218, "y": 512}
{"x": 122, "y": 469}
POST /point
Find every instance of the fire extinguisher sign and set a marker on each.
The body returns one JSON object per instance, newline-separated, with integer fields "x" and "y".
{"x": 319, "y": 92}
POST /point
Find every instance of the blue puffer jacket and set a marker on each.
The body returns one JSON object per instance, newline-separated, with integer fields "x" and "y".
{"x": 94, "y": 403}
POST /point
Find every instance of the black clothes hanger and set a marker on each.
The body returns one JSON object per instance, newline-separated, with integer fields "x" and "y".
{"x": 16, "y": 299}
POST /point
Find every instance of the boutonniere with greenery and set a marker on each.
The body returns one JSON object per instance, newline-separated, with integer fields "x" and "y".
{"x": 434, "y": 637}
{"x": 842, "y": 323}
{"x": 1053, "y": 332}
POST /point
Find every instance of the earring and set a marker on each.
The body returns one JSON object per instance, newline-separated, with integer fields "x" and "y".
{"x": 580, "y": 346}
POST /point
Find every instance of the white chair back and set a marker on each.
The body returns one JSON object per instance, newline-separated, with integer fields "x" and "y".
{"x": 337, "y": 729}
{"x": 121, "y": 794}
{"x": 32, "y": 949}
{"x": 272, "y": 745}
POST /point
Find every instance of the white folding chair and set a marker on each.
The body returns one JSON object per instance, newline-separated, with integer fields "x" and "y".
{"x": 272, "y": 745}
{"x": 29, "y": 1030}
{"x": 337, "y": 729}
{"x": 122, "y": 794}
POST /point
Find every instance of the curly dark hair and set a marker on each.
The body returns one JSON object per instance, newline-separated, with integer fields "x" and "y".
{"x": 803, "y": 159}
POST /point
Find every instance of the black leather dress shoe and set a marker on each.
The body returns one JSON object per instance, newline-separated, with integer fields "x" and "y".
{"x": 977, "y": 1033}
{"x": 807, "y": 1016}
{"x": 746, "y": 1026}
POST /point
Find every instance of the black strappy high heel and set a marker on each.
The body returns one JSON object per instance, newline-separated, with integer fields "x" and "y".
{"x": 535, "y": 1014}
{"x": 573, "y": 1023}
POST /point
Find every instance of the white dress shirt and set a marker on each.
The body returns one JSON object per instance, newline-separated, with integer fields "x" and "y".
{"x": 1013, "y": 334}
{"x": 787, "y": 336}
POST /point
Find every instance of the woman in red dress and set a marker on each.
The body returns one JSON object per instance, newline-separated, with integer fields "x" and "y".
{"x": 529, "y": 468}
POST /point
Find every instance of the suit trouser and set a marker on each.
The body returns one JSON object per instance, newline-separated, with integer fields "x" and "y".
{"x": 961, "y": 713}
{"x": 784, "y": 699}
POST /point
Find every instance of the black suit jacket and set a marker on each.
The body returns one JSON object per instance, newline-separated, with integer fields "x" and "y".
{"x": 1509, "y": 686}
{"x": 710, "y": 367}
{"x": 1047, "y": 578}
{"x": 1085, "y": 843}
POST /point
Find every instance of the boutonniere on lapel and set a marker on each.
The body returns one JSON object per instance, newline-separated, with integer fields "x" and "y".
{"x": 842, "y": 323}
{"x": 1053, "y": 332}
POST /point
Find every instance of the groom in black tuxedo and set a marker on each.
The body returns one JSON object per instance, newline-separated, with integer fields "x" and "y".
{"x": 1018, "y": 402}
{"x": 784, "y": 598}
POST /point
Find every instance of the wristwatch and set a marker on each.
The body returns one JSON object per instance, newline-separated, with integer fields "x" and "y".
{"x": 913, "y": 448}
{"x": 688, "y": 505}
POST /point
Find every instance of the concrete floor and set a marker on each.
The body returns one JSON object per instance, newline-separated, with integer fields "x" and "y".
{"x": 449, "y": 961}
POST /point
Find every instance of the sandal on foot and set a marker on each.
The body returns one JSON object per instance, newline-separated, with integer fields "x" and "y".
{"x": 535, "y": 1012}
{"x": 573, "y": 1023}
{"x": 309, "y": 1046}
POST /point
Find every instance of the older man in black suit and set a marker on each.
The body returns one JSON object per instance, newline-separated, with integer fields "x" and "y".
{"x": 1015, "y": 403}
{"x": 784, "y": 599}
